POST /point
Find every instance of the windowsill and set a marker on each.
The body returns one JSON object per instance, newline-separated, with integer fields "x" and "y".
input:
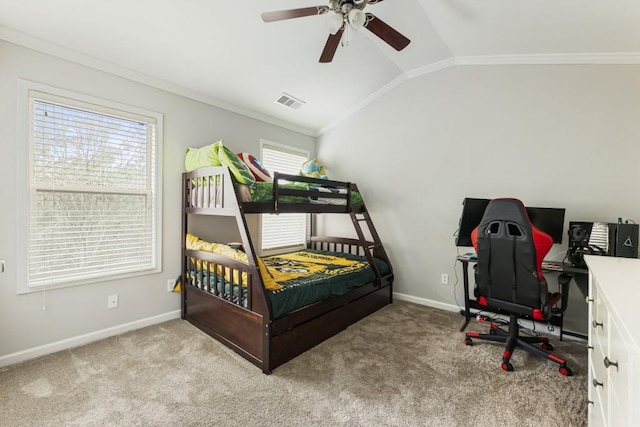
{"x": 26, "y": 289}
{"x": 283, "y": 250}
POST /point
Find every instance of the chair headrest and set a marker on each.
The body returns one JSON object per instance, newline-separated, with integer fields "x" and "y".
{"x": 506, "y": 210}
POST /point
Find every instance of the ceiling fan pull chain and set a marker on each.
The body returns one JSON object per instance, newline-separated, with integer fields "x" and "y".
{"x": 345, "y": 39}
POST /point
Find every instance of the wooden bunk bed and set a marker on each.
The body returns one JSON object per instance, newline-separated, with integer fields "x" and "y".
{"x": 241, "y": 316}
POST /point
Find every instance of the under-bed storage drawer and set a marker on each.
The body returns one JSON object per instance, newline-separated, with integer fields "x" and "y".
{"x": 228, "y": 322}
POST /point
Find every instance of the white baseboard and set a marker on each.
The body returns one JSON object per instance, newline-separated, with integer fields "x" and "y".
{"x": 79, "y": 340}
{"x": 427, "y": 302}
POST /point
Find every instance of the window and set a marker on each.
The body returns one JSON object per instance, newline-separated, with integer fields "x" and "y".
{"x": 93, "y": 189}
{"x": 283, "y": 231}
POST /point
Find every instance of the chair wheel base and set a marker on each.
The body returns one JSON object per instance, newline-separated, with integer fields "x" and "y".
{"x": 566, "y": 371}
{"x": 536, "y": 345}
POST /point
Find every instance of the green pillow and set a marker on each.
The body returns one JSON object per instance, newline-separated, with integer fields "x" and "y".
{"x": 239, "y": 170}
{"x": 201, "y": 157}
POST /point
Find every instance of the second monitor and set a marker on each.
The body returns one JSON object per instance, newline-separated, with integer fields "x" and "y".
{"x": 549, "y": 220}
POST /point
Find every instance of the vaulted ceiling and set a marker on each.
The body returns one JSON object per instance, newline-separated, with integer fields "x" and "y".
{"x": 223, "y": 53}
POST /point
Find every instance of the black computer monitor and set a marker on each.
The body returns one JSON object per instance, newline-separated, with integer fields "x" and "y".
{"x": 472, "y": 211}
{"x": 549, "y": 220}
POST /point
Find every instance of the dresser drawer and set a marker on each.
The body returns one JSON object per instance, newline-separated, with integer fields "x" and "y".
{"x": 634, "y": 387}
{"x": 600, "y": 323}
{"x": 618, "y": 415}
{"x": 618, "y": 361}
{"x": 599, "y": 383}
{"x": 597, "y": 411}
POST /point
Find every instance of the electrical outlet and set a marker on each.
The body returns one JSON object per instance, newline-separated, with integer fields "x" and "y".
{"x": 112, "y": 301}
{"x": 444, "y": 279}
{"x": 170, "y": 284}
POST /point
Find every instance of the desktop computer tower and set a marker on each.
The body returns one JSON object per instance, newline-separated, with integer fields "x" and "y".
{"x": 624, "y": 240}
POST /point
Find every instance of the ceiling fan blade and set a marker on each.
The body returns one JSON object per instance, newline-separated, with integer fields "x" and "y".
{"x": 279, "y": 15}
{"x": 386, "y": 33}
{"x": 331, "y": 46}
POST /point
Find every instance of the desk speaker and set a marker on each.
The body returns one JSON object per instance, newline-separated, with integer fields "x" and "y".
{"x": 581, "y": 242}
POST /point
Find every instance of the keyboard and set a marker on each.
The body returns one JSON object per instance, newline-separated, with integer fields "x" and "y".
{"x": 552, "y": 265}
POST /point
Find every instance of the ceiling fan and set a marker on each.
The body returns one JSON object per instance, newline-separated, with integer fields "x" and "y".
{"x": 348, "y": 14}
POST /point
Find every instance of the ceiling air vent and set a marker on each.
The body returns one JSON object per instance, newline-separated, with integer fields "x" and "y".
{"x": 290, "y": 101}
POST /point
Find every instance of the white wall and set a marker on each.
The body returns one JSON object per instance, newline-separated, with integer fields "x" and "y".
{"x": 561, "y": 136}
{"x": 80, "y": 313}
{"x": 556, "y": 136}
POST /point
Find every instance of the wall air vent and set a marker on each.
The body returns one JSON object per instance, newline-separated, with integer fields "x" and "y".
{"x": 290, "y": 101}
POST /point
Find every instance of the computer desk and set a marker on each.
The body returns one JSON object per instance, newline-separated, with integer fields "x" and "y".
{"x": 579, "y": 275}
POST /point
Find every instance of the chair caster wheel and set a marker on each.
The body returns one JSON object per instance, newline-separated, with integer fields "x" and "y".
{"x": 566, "y": 371}
{"x": 547, "y": 346}
{"x": 507, "y": 366}
{"x": 468, "y": 341}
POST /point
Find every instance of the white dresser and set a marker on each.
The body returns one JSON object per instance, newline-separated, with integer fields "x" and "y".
{"x": 614, "y": 341}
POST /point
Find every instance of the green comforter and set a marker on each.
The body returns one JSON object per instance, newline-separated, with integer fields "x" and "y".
{"x": 263, "y": 192}
{"x": 310, "y": 276}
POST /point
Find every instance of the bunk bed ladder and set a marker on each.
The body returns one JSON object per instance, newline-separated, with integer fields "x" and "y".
{"x": 369, "y": 249}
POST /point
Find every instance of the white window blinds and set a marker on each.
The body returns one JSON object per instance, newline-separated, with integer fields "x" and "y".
{"x": 93, "y": 191}
{"x": 283, "y": 230}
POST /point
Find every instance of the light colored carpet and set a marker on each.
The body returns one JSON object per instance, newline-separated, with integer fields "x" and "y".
{"x": 405, "y": 365}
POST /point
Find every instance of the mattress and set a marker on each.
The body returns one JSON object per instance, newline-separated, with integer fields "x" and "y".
{"x": 306, "y": 276}
{"x": 309, "y": 276}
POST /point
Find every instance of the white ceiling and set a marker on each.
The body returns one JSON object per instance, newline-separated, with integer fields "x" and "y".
{"x": 221, "y": 51}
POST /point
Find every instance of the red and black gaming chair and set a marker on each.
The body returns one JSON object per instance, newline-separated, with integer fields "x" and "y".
{"x": 509, "y": 278}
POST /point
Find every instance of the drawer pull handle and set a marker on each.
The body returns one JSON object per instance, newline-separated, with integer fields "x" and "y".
{"x": 588, "y": 300}
{"x": 596, "y": 383}
{"x": 608, "y": 363}
{"x": 589, "y": 347}
{"x": 589, "y": 402}
{"x": 596, "y": 324}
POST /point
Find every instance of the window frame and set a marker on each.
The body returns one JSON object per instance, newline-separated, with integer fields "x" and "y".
{"x": 282, "y": 249}
{"x": 24, "y": 163}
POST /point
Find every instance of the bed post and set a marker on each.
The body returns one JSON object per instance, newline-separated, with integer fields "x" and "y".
{"x": 183, "y": 268}
{"x": 259, "y": 302}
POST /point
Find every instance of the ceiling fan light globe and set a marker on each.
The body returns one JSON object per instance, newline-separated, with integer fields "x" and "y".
{"x": 357, "y": 18}
{"x": 334, "y": 23}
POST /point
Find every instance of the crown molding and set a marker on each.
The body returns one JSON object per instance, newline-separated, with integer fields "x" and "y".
{"x": 440, "y": 65}
{"x": 366, "y": 101}
{"x": 21, "y": 39}
{"x": 615, "y": 58}
{"x": 39, "y": 45}
{"x": 621, "y": 58}
{"x": 436, "y": 66}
